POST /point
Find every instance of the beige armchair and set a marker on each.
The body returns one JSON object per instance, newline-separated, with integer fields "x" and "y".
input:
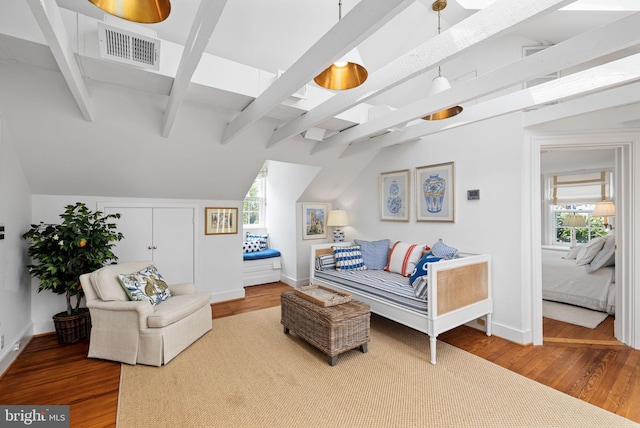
{"x": 136, "y": 332}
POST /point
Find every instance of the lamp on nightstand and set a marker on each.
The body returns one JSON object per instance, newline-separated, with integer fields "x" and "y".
{"x": 338, "y": 219}
{"x": 604, "y": 209}
{"x": 573, "y": 221}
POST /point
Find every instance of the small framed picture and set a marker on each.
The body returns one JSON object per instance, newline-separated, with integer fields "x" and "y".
{"x": 220, "y": 221}
{"x": 435, "y": 192}
{"x": 394, "y": 195}
{"x": 314, "y": 221}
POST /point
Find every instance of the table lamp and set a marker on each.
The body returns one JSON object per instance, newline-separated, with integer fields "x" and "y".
{"x": 338, "y": 219}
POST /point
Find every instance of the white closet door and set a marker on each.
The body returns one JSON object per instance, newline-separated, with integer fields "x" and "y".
{"x": 173, "y": 251}
{"x": 136, "y": 224}
{"x": 164, "y": 236}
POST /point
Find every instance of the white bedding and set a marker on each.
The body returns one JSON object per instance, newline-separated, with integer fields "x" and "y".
{"x": 566, "y": 282}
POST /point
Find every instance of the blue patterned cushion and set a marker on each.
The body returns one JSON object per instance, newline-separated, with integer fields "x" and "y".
{"x": 418, "y": 278}
{"x": 375, "y": 254}
{"x": 251, "y": 246}
{"x": 442, "y": 250}
{"x": 348, "y": 258}
{"x": 325, "y": 261}
{"x": 146, "y": 285}
{"x": 262, "y": 239}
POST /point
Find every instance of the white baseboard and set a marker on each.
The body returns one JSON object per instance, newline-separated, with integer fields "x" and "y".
{"x": 512, "y": 335}
{"x": 11, "y": 350}
{"x": 228, "y": 295}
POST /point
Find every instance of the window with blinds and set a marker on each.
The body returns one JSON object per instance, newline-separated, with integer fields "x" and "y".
{"x": 579, "y": 187}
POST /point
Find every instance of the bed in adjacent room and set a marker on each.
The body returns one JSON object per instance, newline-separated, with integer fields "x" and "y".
{"x": 584, "y": 276}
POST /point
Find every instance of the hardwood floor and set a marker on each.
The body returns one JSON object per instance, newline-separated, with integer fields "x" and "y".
{"x": 587, "y": 364}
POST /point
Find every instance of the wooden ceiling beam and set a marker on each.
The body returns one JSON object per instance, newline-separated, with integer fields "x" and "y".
{"x": 49, "y": 18}
{"x": 206, "y": 20}
{"x": 602, "y": 41}
{"x": 363, "y": 20}
{"x": 621, "y": 72}
{"x": 497, "y": 19}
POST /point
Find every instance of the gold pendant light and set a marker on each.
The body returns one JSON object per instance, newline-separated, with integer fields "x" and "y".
{"x": 440, "y": 83}
{"x": 346, "y": 73}
{"x": 143, "y": 11}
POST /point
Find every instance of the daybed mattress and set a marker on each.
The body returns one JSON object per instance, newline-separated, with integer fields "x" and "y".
{"x": 566, "y": 282}
{"x": 389, "y": 286}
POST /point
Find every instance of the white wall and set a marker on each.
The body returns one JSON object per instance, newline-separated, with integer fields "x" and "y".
{"x": 15, "y": 209}
{"x": 486, "y": 156}
{"x": 285, "y": 184}
{"x": 218, "y": 257}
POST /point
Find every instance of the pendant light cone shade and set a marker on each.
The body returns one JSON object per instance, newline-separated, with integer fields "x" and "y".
{"x": 142, "y": 11}
{"x": 346, "y": 73}
{"x": 440, "y": 83}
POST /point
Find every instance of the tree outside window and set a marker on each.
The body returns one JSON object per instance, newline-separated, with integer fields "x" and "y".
{"x": 254, "y": 203}
{"x": 594, "y": 225}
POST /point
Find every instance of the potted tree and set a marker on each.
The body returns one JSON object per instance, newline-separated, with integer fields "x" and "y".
{"x": 82, "y": 243}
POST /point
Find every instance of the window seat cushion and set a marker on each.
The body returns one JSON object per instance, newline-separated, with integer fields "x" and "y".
{"x": 264, "y": 254}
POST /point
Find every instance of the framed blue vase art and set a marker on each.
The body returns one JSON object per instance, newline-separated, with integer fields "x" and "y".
{"x": 435, "y": 192}
{"x": 394, "y": 195}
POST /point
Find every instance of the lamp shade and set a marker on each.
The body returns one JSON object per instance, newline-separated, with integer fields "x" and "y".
{"x": 439, "y": 84}
{"x": 604, "y": 209}
{"x": 143, "y": 11}
{"x": 345, "y": 73}
{"x": 338, "y": 218}
{"x": 574, "y": 220}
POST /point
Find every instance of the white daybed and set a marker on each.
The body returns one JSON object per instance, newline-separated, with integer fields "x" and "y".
{"x": 459, "y": 291}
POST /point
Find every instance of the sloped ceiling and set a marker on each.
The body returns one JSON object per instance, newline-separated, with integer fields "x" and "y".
{"x": 235, "y": 86}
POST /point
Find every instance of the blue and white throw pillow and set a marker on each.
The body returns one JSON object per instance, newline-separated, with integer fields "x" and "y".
{"x": 262, "y": 239}
{"x": 348, "y": 258}
{"x": 442, "y": 250}
{"x": 251, "y": 246}
{"x": 146, "y": 285}
{"x": 374, "y": 253}
{"x": 418, "y": 278}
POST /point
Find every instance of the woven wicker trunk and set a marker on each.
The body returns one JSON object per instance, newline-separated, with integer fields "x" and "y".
{"x": 333, "y": 329}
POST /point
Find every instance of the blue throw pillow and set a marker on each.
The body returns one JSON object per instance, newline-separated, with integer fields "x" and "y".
{"x": 418, "y": 278}
{"x": 374, "y": 253}
{"x": 442, "y": 250}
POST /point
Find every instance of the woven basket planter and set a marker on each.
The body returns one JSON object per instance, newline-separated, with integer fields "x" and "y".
{"x": 73, "y": 328}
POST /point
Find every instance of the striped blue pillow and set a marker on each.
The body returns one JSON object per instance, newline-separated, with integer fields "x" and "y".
{"x": 348, "y": 258}
{"x": 325, "y": 261}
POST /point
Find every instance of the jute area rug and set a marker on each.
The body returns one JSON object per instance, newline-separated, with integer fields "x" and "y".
{"x": 247, "y": 373}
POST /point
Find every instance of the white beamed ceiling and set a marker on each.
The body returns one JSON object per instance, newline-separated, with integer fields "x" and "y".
{"x": 218, "y": 103}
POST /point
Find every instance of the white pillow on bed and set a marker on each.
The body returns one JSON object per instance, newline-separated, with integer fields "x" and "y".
{"x": 606, "y": 256}
{"x": 403, "y": 257}
{"x": 573, "y": 252}
{"x": 589, "y": 250}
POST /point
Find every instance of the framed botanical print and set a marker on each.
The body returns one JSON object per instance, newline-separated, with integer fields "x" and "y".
{"x": 220, "y": 221}
{"x": 394, "y": 195}
{"x": 314, "y": 221}
{"x": 435, "y": 192}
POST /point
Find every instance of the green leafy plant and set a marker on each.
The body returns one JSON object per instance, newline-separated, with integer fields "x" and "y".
{"x": 82, "y": 243}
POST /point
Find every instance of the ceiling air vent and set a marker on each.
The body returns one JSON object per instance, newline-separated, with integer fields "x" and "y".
{"x": 129, "y": 48}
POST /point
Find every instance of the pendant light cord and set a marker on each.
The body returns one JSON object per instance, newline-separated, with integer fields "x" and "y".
{"x": 339, "y": 10}
{"x": 439, "y": 70}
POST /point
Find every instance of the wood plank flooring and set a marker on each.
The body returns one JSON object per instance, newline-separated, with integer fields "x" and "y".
{"x": 588, "y": 364}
